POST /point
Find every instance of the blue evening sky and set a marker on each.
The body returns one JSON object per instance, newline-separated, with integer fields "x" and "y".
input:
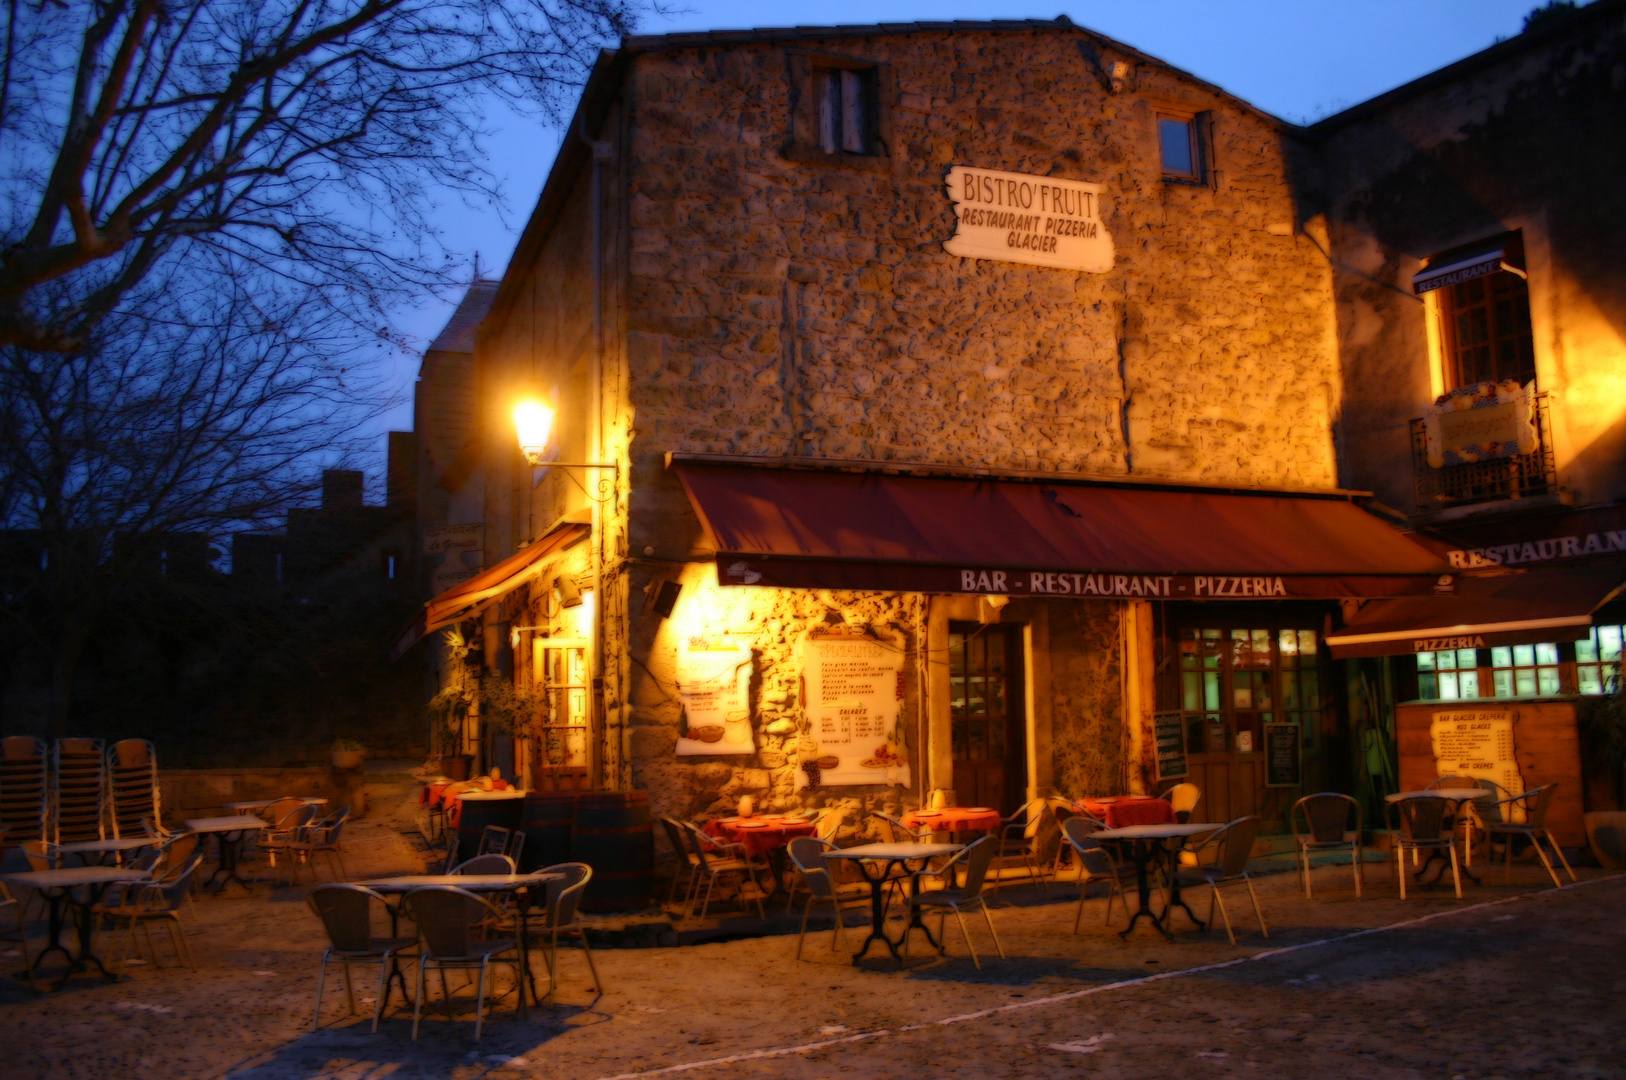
{"x": 1299, "y": 59}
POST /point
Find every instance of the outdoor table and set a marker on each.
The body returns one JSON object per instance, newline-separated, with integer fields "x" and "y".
{"x": 260, "y": 804}
{"x": 955, "y": 819}
{"x": 229, "y": 832}
{"x": 475, "y": 883}
{"x": 58, "y": 888}
{"x": 763, "y": 834}
{"x": 886, "y": 856}
{"x": 1121, "y": 811}
{"x": 99, "y": 848}
{"x": 1456, "y": 796}
{"x": 1146, "y": 844}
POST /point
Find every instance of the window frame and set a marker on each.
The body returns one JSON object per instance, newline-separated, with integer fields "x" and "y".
{"x": 804, "y": 142}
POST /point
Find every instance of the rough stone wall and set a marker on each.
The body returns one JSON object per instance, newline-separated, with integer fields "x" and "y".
{"x": 777, "y": 307}
{"x": 1534, "y": 140}
{"x": 774, "y": 621}
{"x": 1086, "y": 698}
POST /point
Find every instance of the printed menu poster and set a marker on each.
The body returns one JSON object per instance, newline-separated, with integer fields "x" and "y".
{"x": 853, "y": 686}
{"x": 714, "y": 684}
{"x": 1477, "y": 743}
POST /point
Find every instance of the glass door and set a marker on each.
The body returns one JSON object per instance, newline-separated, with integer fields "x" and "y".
{"x": 988, "y": 715}
{"x": 560, "y": 682}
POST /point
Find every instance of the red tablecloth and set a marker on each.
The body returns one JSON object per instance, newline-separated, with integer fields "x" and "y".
{"x": 452, "y": 799}
{"x": 761, "y": 833}
{"x": 1122, "y": 811}
{"x": 955, "y": 819}
{"x": 430, "y": 795}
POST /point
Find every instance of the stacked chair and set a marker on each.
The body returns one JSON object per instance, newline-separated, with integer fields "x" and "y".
{"x": 79, "y": 803}
{"x": 24, "y": 805}
{"x": 132, "y": 786}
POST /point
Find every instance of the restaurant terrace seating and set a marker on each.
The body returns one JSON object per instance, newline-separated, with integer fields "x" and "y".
{"x": 1183, "y": 798}
{"x": 1020, "y": 838}
{"x": 976, "y": 859}
{"x": 1095, "y": 863}
{"x": 448, "y": 920}
{"x": 1533, "y": 804}
{"x": 158, "y": 902}
{"x": 807, "y": 855}
{"x": 717, "y": 861}
{"x": 1332, "y": 822}
{"x": 1234, "y": 846}
{"x": 346, "y": 912}
{"x": 485, "y": 864}
{"x": 560, "y": 917}
{"x": 1424, "y": 827}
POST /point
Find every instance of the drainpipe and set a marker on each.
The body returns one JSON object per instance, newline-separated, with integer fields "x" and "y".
{"x": 602, "y": 152}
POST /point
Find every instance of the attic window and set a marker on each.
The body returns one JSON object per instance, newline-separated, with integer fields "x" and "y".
{"x": 1177, "y": 141}
{"x": 846, "y": 103}
{"x": 839, "y": 111}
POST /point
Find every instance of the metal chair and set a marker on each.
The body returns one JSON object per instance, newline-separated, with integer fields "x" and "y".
{"x": 15, "y": 907}
{"x": 1328, "y": 816}
{"x": 276, "y": 840}
{"x": 158, "y": 902}
{"x": 687, "y": 861}
{"x": 485, "y": 864}
{"x": 1423, "y": 828}
{"x": 1184, "y": 799}
{"x": 1019, "y": 840}
{"x": 322, "y": 837}
{"x": 976, "y": 859}
{"x": 1233, "y": 843}
{"x": 807, "y": 855}
{"x": 901, "y": 833}
{"x": 829, "y": 823}
{"x": 717, "y": 860}
{"x": 561, "y": 918}
{"x": 1095, "y": 863}
{"x": 346, "y": 912}
{"x": 448, "y": 919}
{"x": 1534, "y": 804}
{"x": 498, "y": 840}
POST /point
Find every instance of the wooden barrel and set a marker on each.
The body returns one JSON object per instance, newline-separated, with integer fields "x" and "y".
{"x": 612, "y": 834}
{"x": 547, "y": 820}
{"x": 482, "y": 808}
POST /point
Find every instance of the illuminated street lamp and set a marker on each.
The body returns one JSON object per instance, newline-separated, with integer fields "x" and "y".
{"x": 533, "y": 424}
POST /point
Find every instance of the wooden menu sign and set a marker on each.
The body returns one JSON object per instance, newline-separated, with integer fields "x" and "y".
{"x": 714, "y": 684}
{"x": 1169, "y": 729}
{"x": 1283, "y": 761}
{"x": 1477, "y": 743}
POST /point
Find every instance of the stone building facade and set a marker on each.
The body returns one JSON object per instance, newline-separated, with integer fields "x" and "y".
{"x": 738, "y": 261}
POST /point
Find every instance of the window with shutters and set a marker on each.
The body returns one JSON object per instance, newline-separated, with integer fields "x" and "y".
{"x": 839, "y": 111}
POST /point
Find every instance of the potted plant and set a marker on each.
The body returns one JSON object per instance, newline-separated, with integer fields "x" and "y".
{"x": 348, "y": 754}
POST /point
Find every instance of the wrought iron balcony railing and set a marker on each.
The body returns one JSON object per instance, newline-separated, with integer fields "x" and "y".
{"x": 1485, "y": 481}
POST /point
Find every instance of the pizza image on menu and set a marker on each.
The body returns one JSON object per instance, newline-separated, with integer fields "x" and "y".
{"x": 885, "y": 758}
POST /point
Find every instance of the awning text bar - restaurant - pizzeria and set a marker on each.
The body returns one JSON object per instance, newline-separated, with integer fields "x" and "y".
{"x": 874, "y": 531}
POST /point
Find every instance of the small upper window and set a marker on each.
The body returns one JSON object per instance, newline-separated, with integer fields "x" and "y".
{"x": 846, "y": 99}
{"x": 1177, "y": 139}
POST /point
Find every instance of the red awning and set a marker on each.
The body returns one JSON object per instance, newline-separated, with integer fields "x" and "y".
{"x": 1509, "y": 609}
{"x": 882, "y": 532}
{"x": 469, "y": 598}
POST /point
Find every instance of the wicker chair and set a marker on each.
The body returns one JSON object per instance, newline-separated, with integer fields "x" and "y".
{"x": 158, "y": 902}
{"x": 1423, "y": 827}
{"x": 1095, "y": 863}
{"x": 976, "y": 858}
{"x": 1332, "y": 821}
{"x": 448, "y": 920}
{"x": 321, "y": 837}
{"x": 1233, "y": 844}
{"x": 686, "y": 870}
{"x": 561, "y": 918}
{"x": 1019, "y": 841}
{"x": 485, "y": 864}
{"x": 1534, "y": 804}
{"x": 346, "y": 912}
{"x": 807, "y": 855}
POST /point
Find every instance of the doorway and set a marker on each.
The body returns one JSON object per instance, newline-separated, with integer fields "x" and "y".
{"x": 988, "y": 715}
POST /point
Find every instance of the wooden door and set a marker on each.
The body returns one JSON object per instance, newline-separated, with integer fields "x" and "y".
{"x": 1234, "y": 681}
{"x": 988, "y": 715}
{"x": 561, "y": 750}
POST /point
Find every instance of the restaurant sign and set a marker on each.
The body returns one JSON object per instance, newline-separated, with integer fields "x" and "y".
{"x": 1038, "y": 220}
{"x": 995, "y": 581}
{"x": 852, "y": 688}
{"x": 1476, "y": 743}
{"x": 714, "y": 686}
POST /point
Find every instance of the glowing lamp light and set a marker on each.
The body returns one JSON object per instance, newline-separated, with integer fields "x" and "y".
{"x": 533, "y": 423}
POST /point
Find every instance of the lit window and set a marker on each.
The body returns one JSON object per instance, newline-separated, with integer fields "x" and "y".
{"x": 1448, "y": 676}
{"x": 1525, "y": 670}
{"x": 1178, "y": 141}
{"x": 1487, "y": 329}
{"x": 1597, "y": 660}
{"x": 846, "y": 99}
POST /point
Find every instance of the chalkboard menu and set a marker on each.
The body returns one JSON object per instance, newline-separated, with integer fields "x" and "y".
{"x": 1170, "y": 729}
{"x": 1282, "y": 759}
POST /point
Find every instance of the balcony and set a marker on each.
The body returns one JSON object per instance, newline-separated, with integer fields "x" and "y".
{"x": 1522, "y": 477}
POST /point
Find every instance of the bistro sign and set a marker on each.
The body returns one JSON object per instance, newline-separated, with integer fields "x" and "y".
{"x": 1038, "y": 220}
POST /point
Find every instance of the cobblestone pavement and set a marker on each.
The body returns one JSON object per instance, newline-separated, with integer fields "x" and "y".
{"x": 1513, "y": 981}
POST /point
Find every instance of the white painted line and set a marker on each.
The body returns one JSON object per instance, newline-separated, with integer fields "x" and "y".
{"x": 804, "y": 1048}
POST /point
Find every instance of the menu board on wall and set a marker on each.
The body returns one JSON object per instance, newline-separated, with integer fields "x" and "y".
{"x": 1477, "y": 743}
{"x": 854, "y": 701}
{"x": 1169, "y": 729}
{"x": 1283, "y": 761}
{"x": 714, "y": 684}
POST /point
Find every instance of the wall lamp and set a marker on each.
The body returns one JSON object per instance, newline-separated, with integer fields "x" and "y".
{"x": 533, "y": 424}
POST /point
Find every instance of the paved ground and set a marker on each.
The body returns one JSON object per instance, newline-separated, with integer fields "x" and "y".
{"x": 1529, "y": 987}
